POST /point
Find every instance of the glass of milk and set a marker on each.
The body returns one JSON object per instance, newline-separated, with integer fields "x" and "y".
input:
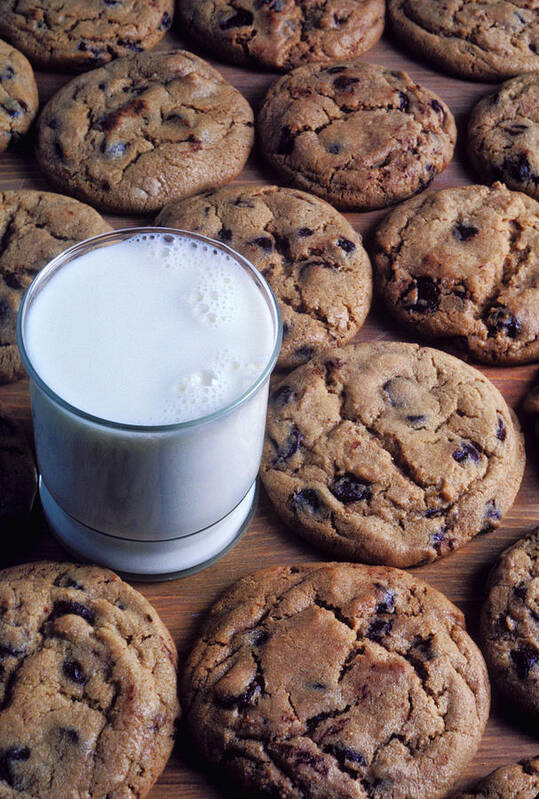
{"x": 149, "y": 352}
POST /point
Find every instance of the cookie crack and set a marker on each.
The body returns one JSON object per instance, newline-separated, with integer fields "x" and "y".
{"x": 335, "y": 612}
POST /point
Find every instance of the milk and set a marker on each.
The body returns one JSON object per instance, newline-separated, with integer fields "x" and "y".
{"x": 153, "y": 330}
{"x": 149, "y": 356}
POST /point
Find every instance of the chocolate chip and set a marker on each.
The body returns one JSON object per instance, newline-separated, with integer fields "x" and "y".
{"x": 259, "y": 637}
{"x": 348, "y": 488}
{"x": 317, "y": 686}
{"x": 12, "y": 280}
{"x": 387, "y": 603}
{"x": 286, "y": 329}
{"x": 436, "y": 538}
{"x": 308, "y": 501}
{"x": 286, "y": 142}
{"x": 237, "y": 20}
{"x": 334, "y": 148}
{"x": 438, "y": 107}
{"x": 65, "y": 581}
{"x": 70, "y": 734}
{"x": 73, "y": 671}
{"x": 520, "y": 591}
{"x": 339, "y": 20}
{"x": 389, "y": 388}
{"x": 65, "y": 607}
{"x": 432, "y": 513}
{"x": 12, "y": 108}
{"x": 264, "y": 242}
{"x": 524, "y": 660}
{"x": 518, "y": 169}
{"x": 304, "y": 232}
{"x": 7, "y": 74}
{"x": 344, "y": 82}
{"x": 166, "y": 22}
{"x": 335, "y": 70}
{"x": 291, "y": 446}
{"x": 465, "y": 451}
{"x": 304, "y": 353}
{"x": 491, "y": 513}
{"x": 501, "y": 320}
{"x": 378, "y": 629}
{"x": 345, "y": 755}
{"x": 404, "y": 102}
{"x": 133, "y": 46}
{"x": 7, "y": 651}
{"x": 464, "y": 232}
{"x": 282, "y": 397}
{"x": 427, "y": 295}
{"x": 91, "y": 49}
{"x": 16, "y": 754}
{"x": 225, "y": 234}
{"x": 282, "y": 245}
{"x": 116, "y": 150}
{"x": 416, "y": 420}
{"x": 113, "y": 2}
{"x": 346, "y": 245}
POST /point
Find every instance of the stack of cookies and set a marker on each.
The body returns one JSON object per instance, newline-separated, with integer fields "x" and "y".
{"x": 339, "y": 680}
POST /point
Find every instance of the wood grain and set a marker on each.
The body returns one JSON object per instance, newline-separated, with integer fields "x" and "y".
{"x": 461, "y": 576}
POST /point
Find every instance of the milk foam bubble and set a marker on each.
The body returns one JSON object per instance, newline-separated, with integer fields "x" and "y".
{"x": 152, "y": 330}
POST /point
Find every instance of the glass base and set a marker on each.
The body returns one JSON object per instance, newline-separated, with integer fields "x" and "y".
{"x": 150, "y": 560}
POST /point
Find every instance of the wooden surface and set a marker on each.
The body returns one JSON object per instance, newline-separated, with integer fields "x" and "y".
{"x": 461, "y": 576}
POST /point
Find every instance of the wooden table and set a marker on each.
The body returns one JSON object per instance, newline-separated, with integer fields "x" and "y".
{"x": 461, "y": 576}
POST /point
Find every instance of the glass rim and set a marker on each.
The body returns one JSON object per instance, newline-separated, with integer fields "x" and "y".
{"x": 68, "y": 255}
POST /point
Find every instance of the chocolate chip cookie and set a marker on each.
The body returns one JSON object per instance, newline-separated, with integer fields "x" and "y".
{"x": 477, "y": 39}
{"x": 145, "y": 130}
{"x": 282, "y": 34}
{"x": 87, "y": 685}
{"x": 18, "y": 477}
{"x": 390, "y": 453}
{"x": 83, "y": 34}
{"x": 510, "y": 623}
{"x": 463, "y": 264}
{"x": 336, "y": 681}
{"x": 18, "y": 95}
{"x": 35, "y": 226}
{"x": 514, "y": 781}
{"x": 503, "y": 134}
{"x": 357, "y": 134}
{"x": 311, "y": 256}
